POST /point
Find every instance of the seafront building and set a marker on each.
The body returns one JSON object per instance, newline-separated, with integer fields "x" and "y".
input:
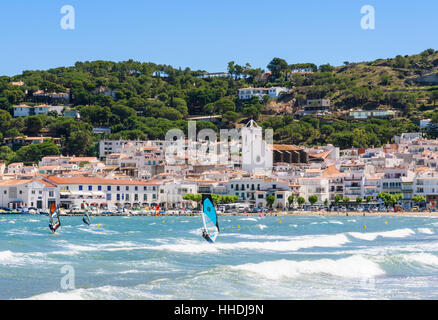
{"x": 130, "y": 174}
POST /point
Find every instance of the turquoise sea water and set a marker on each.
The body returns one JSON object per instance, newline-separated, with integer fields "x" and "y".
{"x": 253, "y": 258}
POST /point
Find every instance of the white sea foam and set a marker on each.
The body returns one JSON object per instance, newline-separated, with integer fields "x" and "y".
{"x": 425, "y": 230}
{"x": 355, "y": 266}
{"x": 22, "y": 232}
{"x": 105, "y": 292}
{"x": 19, "y": 258}
{"x": 336, "y": 222}
{"x": 248, "y": 219}
{"x": 262, "y": 226}
{"x": 257, "y": 236}
{"x": 370, "y": 236}
{"x": 9, "y": 257}
{"x": 97, "y": 230}
{"x": 284, "y": 246}
{"x": 73, "y": 249}
{"x": 422, "y": 258}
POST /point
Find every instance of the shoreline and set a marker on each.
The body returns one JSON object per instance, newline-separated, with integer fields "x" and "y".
{"x": 255, "y": 215}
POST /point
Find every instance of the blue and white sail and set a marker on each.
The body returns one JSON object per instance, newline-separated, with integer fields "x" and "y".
{"x": 209, "y": 218}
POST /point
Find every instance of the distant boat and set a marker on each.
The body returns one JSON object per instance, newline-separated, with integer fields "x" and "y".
{"x": 209, "y": 219}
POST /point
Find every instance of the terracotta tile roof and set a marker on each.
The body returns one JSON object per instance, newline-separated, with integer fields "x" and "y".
{"x": 285, "y": 147}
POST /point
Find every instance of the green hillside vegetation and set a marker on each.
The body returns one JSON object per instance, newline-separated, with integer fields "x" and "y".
{"x": 150, "y": 99}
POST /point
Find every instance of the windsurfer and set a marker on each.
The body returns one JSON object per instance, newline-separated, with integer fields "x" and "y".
{"x": 54, "y": 227}
{"x": 206, "y": 236}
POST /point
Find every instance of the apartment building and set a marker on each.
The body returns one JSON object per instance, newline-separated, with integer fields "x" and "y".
{"x": 100, "y": 192}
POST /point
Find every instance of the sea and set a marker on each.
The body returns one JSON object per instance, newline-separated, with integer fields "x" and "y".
{"x": 257, "y": 258}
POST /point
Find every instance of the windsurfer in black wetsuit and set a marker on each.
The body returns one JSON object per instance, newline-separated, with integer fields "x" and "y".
{"x": 206, "y": 236}
{"x": 54, "y": 227}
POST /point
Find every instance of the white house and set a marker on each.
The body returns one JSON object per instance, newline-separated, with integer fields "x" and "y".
{"x": 25, "y": 110}
{"x": 248, "y": 93}
{"x": 28, "y": 193}
{"x": 172, "y": 193}
{"x": 318, "y": 186}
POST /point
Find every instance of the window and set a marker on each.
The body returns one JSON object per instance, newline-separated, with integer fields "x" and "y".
{"x": 145, "y": 188}
{"x": 136, "y": 188}
{"x": 108, "y": 188}
{"x": 118, "y": 197}
{"x": 90, "y": 188}
{"x": 260, "y": 196}
{"x": 136, "y": 197}
{"x": 127, "y": 188}
{"x": 99, "y": 188}
{"x": 80, "y": 188}
{"x": 145, "y": 197}
{"x": 51, "y": 194}
{"x": 127, "y": 197}
{"x": 118, "y": 188}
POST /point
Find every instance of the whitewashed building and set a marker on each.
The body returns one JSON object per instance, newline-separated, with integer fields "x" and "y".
{"x": 35, "y": 193}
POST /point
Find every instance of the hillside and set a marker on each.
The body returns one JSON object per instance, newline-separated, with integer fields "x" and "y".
{"x": 143, "y": 100}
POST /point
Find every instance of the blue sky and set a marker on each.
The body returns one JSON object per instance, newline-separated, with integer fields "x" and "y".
{"x": 207, "y": 34}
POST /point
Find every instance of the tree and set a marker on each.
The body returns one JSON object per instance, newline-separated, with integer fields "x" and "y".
{"x": 277, "y": 66}
{"x": 326, "y": 68}
{"x": 33, "y": 124}
{"x": 359, "y": 200}
{"x": 230, "y": 117}
{"x": 390, "y": 199}
{"x": 35, "y": 152}
{"x": 301, "y": 201}
{"x": 290, "y": 200}
{"x": 346, "y": 201}
{"x": 313, "y": 199}
{"x": 193, "y": 197}
{"x": 418, "y": 199}
{"x": 5, "y": 121}
{"x": 368, "y": 199}
{"x": 270, "y": 200}
{"x": 224, "y": 105}
{"x": 434, "y": 96}
{"x": 180, "y": 105}
{"x": 78, "y": 142}
{"x": 96, "y": 115}
{"x": 338, "y": 199}
{"x": 7, "y": 154}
